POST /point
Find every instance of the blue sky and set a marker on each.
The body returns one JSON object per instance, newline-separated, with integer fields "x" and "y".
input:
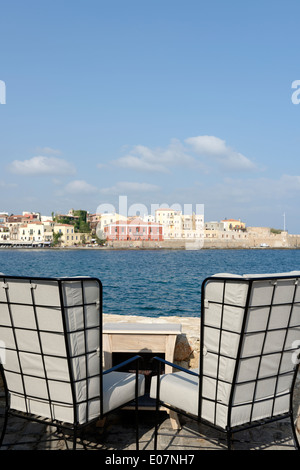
{"x": 165, "y": 102}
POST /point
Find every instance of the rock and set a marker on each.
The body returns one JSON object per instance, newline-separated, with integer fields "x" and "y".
{"x": 183, "y": 349}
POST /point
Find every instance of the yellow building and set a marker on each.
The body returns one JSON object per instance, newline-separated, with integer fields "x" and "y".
{"x": 69, "y": 237}
{"x": 171, "y": 220}
{"x": 176, "y": 225}
{"x": 233, "y": 224}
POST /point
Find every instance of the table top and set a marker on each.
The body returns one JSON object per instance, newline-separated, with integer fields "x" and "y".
{"x": 142, "y": 328}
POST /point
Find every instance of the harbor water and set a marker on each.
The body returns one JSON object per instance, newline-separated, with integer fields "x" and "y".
{"x": 147, "y": 282}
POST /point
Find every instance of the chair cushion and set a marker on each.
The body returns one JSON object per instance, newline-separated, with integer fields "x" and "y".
{"x": 179, "y": 390}
{"x": 119, "y": 389}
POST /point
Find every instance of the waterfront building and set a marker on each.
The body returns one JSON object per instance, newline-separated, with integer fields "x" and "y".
{"x": 32, "y": 215}
{"x": 3, "y": 217}
{"x": 69, "y": 237}
{"x": 93, "y": 220}
{"x": 214, "y": 226}
{"x": 149, "y": 218}
{"x": 32, "y": 231}
{"x": 106, "y": 220}
{"x": 233, "y": 224}
{"x": 4, "y": 233}
{"x": 133, "y": 229}
{"x": 177, "y": 225}
{"x": 49, "y": 225}
{"x": 193, "y": 226}
{"x": 171, "y": 220}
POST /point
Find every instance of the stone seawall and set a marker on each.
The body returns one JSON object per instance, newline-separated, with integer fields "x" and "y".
{"x": 251, "y": 240}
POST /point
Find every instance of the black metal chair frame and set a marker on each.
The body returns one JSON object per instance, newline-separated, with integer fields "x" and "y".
{"x": 200, "y": 376}
{"x": 73, "y": 428}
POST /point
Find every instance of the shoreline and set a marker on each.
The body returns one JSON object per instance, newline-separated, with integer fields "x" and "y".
{"x": 145, "y": 248}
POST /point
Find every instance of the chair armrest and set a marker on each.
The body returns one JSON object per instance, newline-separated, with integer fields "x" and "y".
{"x": 122, "y": 364}
{"x": 175, "y": 366}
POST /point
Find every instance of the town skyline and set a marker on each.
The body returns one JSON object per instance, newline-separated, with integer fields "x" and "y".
{"x": 168, "y": 228}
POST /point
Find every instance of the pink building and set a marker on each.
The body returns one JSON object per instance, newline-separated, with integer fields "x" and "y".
{"x": 134, "y": 229}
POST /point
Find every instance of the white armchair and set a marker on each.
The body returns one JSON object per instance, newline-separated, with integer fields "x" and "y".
{"x": 51, "y": 353}
{"x": 250, "y": 336}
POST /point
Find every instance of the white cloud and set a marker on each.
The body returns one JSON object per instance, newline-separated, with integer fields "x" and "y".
{"x": 128, "y": 187}
{"x": 80, "y": 186}
{"x": 41, "y": 165}
{"x": 198, "y": 153}
{"x": 143, "y": 158}
{"x": 217, "y": 149}
{"x": 48, "y": 151}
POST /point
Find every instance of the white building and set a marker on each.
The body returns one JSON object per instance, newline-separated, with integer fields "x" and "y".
{"x": 107, "y": 219}
{"x": 176, "y": 225}
{"x": 31, "y": 232}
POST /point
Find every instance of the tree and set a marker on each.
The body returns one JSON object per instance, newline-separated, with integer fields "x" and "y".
{"x": 81, "y": 225}
{"x": 56, "y": 238}
{"x": 100, "y": 241}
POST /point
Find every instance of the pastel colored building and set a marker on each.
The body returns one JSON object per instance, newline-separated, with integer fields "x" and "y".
{"x": 31, "y": 232}
{"x": 133, "y": 230}
{"x": 177, "y": 225}
{"x": 69, "y": 237}
{"x": 233, "y": 224}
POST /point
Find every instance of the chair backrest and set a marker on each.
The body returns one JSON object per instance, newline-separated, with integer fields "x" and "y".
{"x": 250, "y": 332}
{"x": 50, "y": 343}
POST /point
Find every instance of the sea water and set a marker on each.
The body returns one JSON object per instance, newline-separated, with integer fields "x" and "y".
{"x": 147, "y": 282}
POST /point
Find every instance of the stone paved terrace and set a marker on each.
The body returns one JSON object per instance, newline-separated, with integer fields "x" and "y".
{"x": 118, "y": 434}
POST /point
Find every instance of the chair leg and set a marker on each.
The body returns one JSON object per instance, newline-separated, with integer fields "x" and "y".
{"x": 136, "y": 425}
{"x": 296, "y": 441}
{"x": 4, "y": 426}
{"x": 155, "y": 435}
{"x": 74, "y": 438}
{"x": 229, "y": 440}
{"x": 156, "y": 425}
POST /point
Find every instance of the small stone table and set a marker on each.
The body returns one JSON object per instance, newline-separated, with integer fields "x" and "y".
{"x": 141, "y": 338}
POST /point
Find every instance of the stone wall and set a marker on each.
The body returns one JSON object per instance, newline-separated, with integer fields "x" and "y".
{"x": 253, "y": 238}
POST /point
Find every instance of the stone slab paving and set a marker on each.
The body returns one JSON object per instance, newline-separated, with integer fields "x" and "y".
{"x": 118, "y": 434}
